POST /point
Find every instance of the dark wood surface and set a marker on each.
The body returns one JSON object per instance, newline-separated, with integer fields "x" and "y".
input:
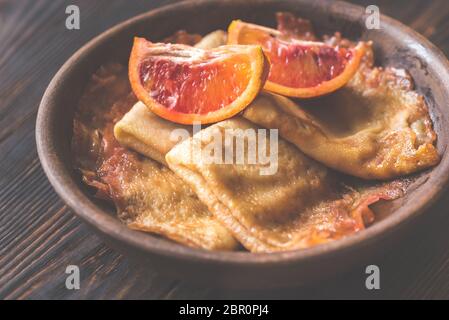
{"x": 40, "y": 236}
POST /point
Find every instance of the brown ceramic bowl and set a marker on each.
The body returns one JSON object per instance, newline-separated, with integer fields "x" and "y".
{"x": 395, "y": 44}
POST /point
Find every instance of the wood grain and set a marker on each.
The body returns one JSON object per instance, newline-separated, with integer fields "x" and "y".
{"x": 39, "y": 235}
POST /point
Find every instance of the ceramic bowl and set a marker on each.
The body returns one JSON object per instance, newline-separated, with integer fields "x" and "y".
{"x": 394, "y": 44}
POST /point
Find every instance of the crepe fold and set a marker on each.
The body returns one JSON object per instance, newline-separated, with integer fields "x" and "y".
{"x": 148, "y": 196}
{"x": 376, "y": 127}
{"x": 298, "y": 206}
{"x": 143, "y": 131}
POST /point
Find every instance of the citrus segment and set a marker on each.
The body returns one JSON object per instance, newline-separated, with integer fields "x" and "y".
{"x": 299, "y": 68}
{"x": 186, "y": 84}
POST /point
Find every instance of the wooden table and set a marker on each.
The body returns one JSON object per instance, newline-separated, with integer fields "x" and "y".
{"x": 40, "y": 236}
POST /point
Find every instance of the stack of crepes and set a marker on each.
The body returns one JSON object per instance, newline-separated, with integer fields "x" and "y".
{"x": 374, "y": 128}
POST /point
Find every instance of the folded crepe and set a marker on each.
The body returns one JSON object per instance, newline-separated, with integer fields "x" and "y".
{"x": 143, "y": 131}
{"x": 376, "y": 127}
{"x": 150, "y": 197}
{"x": 212, "y": 40}
{"x": 147, "y": 195}
{"x": 298, "y": 206}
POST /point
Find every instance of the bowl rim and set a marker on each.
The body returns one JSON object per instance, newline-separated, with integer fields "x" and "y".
{"x": 63, "y": 182}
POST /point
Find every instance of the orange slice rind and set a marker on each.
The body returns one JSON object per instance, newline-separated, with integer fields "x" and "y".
{"x": 299, "y": 68}
{"x": 188, "y": 85}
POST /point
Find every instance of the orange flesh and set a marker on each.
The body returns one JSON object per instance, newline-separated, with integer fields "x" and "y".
{"x": 307, "y": 66}
{"x": 197, "y": 87}
{"x": 297, "y": 65}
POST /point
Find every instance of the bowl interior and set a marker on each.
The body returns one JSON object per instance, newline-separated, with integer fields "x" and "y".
{"x": 394, "y": 45}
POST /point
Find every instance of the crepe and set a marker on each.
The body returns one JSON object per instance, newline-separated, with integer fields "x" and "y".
{"x": 376, "y": 127}
{"x": 106, "y": 99}
{"x": 149, "y": 134}
{"x": 148, "y": 196}
{"x": 298, "y": 206}
{"x": 212, "y": 40}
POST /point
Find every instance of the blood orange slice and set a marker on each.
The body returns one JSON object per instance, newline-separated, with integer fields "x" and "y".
{"x": 299, "y": 68}
{"x": 189, "y": 85}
